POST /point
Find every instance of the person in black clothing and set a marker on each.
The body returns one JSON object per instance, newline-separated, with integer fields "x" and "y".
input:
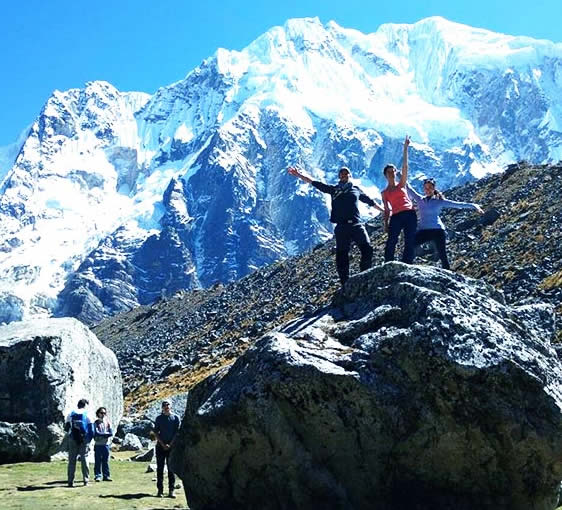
{"x": 345, "y": 214}
{"x": 166, "y": 426}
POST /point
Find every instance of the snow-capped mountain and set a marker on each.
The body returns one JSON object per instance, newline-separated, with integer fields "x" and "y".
{"x": 113, "y": 199}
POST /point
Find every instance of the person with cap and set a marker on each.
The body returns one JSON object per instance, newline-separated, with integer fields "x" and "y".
{"x": 430, "y": 226}
{"x": 166, "y": 427}
{"x": 345, "y": 214}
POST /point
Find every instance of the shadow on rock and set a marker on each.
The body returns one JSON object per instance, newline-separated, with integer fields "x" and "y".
{"x": 419, "y": 389}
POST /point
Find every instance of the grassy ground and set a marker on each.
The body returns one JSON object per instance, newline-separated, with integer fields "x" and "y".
{"x": 43, "y": 485}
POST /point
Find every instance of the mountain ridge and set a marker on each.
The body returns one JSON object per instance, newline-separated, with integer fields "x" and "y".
{"x": 96, "y": 165}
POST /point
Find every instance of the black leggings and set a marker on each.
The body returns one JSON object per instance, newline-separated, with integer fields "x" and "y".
{"x": 436, "y": 235}
{"x": 406, "y": 221}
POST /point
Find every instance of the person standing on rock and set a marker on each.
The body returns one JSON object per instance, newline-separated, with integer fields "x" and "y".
{"x": 430, "y": 226}
{"x": 345, "y": 214}
{"x": 166, "y": 427}
{"x": 80, "y": 433}
{"x": 102, "y": 436}
{"x": 399, "y": 213}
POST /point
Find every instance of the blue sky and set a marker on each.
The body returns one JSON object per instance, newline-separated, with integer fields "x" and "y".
{"x": 144, "y": 44}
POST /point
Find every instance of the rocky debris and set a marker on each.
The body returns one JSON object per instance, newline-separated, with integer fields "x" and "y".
{"x": 140, "y": 428}
{"x": 418, "y": 388}
{"x": 519, "y": 253}
{"x": 177, "y": 406}
{"x": 46, "y": 366}
{"x": 144, "y": 457}
{"x": 131, "y": 443}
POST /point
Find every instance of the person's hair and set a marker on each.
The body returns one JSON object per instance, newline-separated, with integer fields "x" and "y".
{"x": 83, "y": 402}
{"x": 390, "y": 165}
{"x": 436, "y": 193}
{"x": 100, "y": 409}
{"x": 344, "y": 169}
{"x": 165, "y": 402}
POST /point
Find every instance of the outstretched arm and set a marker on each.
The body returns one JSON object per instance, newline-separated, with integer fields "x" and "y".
{"x": 299, "y": 175}
{"x": 368, "y": 200}
{"x": 461, "y": 205}
{"x": 404, "y": 176}
{"x": 324, "y": 188}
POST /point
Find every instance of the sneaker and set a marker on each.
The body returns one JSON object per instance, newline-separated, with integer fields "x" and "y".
{"x": 97, "y": 479}
{"x": 107, "y": 479}
{"x": 171, "y": 495}
{"x": 160, "y": 494}
{"x": 86, "y": 482}
{"x": 71, "y": 484}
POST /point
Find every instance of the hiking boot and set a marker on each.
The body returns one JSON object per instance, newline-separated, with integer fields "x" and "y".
{"x": 171, "y": 495}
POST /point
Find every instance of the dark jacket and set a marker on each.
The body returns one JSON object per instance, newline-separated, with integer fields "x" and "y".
{"x": 345, "y": 201}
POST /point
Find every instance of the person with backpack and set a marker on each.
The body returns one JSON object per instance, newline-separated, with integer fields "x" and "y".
{"x": 80, "y": 433}
{"x": 166, "y": 427}
{"x": 345, "y": 214}
{"x": 102, "y": 436}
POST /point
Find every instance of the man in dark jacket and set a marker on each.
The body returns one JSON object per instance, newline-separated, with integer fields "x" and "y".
{"x": 345, "y": 214}
{"x": 166, "y": 426}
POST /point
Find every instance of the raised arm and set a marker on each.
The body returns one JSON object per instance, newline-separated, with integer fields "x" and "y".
{"x": 413, "y": 194}
{"x": 404, "y": 176}
{"x": 299, "y": 175}
{"x": 324, "y": 188}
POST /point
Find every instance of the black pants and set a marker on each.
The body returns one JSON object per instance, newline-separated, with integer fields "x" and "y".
{"x": 163, "y": 456}
{"x": 406, "y": 221}
{"x": 436, "y": 235}
{"x": 345, "y": 234}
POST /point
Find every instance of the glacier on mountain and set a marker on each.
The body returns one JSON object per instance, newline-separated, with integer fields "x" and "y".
{"x": 115, "y": 199}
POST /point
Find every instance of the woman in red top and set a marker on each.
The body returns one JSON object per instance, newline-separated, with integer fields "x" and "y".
{"x": 400, "y": 209}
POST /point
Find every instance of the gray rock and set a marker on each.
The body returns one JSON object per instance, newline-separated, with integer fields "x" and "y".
{"x": 140, "y": 428}
{"x": 131, "y": 443}
{"x": 419, "y": 389}
{"x": 151, "y": 468}
{"x": 145, "y": 456}
{"x": 177, "y": 403}
{"x": 46, "y": 366}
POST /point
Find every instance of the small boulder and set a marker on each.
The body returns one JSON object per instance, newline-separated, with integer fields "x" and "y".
{"x": 131, "y": 443}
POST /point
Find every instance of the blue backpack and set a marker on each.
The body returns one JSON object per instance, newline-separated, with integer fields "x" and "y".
{"x": 78, "y": 430}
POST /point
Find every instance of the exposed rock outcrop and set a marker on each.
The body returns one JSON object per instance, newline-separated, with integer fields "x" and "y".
{"x": 419, "y": 388}
{"x": 46, "y": 366}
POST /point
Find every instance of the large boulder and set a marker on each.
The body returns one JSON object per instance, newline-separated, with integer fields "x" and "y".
{"x": 418, "y": 389}
{"x": 46, "y": 366}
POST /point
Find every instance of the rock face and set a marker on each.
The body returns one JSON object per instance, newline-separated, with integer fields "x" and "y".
{"x": 418, "y": 388}
{"x": 46, "y": 366}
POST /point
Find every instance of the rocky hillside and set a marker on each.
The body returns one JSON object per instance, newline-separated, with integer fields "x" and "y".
{"x": 516, "y": 246}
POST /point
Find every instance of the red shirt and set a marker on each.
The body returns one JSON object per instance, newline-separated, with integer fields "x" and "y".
{"x": 398, "y": 199}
